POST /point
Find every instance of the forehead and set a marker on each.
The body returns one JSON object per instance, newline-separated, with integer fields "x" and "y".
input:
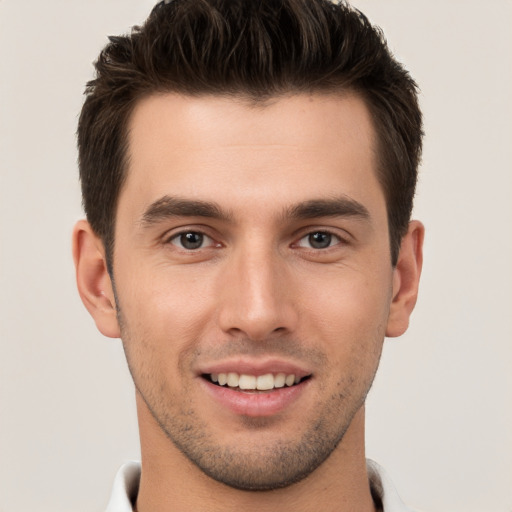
{"x": 308, "y": 120}
{"x": 228, "y": 147}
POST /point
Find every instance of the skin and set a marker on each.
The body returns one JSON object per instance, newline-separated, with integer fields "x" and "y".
{"x": 255, "y": 290}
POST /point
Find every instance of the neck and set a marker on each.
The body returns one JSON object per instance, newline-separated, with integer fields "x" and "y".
{"x": 169, "y": 481}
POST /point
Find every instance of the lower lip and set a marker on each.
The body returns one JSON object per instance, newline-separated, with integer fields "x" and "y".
{"x": 255, "y": 404}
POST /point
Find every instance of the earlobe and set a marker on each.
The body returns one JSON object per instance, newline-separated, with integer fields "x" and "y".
{"x": 93, "y": 281}
{"x": 406, "y": 276}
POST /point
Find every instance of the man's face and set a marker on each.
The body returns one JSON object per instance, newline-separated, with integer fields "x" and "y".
{"x": 252, "y": 241}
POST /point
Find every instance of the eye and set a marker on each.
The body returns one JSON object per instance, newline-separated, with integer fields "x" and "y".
{"x": 191, "y": 240}
{"x": 319, "y": 240}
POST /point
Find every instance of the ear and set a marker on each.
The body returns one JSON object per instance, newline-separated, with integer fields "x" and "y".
{"x": 406, "y": 277}
{"x": 93, "y": 281}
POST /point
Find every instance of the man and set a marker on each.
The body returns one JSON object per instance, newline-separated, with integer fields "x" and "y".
{"x": 248, "y": 170}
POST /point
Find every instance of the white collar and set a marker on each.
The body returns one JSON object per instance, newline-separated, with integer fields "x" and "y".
{"x": 126, "y": 487}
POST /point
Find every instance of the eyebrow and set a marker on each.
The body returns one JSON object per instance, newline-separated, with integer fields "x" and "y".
{"x": 167, "y": 207}
{"x": 342, "y": 206}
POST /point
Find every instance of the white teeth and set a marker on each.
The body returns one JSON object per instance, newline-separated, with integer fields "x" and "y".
{"x": 233, "y": 380}
{"x": 248, "y": 382}
{"x": 279, "y": 380}
{"x": 265, "y": 382}
{"x": 290, "y": 380}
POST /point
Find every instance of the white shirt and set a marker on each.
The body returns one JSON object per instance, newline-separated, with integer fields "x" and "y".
{"x": 126, "y": 487}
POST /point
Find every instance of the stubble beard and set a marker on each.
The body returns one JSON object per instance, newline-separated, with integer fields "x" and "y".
{"x": 261, "y": 466}
{"x": 257, "y": 466}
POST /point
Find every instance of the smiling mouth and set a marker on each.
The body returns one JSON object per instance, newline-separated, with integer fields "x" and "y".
{"x": 253, "y": 383}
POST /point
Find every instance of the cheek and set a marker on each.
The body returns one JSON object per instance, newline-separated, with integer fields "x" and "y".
{"x": 350, "y": 312}
{"x": 163, "y": 315}
{"x": 170, "y": 297}
{"x": 351, "y": 325}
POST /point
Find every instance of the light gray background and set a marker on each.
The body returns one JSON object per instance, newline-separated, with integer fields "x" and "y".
{"x": 439, "y": 416}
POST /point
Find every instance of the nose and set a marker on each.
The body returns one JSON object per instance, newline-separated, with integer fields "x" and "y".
{"x": 256, "y": 295}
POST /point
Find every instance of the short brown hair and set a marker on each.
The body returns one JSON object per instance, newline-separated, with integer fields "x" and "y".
{"x": 257, "y": 49}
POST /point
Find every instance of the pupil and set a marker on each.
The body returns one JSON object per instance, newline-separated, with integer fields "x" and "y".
{"x": 320, "y": 240}
{"x": 191, "y": 240}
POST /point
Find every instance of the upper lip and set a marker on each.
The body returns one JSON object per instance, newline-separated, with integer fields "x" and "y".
{"x": 255, "y": 367}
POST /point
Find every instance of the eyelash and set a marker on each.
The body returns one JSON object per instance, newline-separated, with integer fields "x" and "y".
{"x": 331, "y": 237}
{"x": 178, "y": 240}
